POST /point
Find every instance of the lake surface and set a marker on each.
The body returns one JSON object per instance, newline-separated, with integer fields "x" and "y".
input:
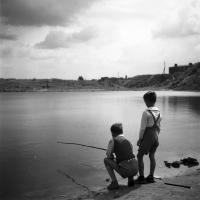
{"x": 33, "y": 165}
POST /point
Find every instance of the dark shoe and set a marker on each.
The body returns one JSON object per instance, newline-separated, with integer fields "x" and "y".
{"x": 140, "y": 180}
{"x": 167, "y": 164}
{"x": 131, "y": 181}
{"x": 113, "y": 186}
{"x": 150, "y": 179}
{"x": 191, "y": 159}
{"x": 184, "y": 161}
{"x": 176, "y": 164}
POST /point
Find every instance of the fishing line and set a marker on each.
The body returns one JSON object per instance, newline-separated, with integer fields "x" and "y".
{"x": 83, "y": 145}
{"x": 73, "y": 180}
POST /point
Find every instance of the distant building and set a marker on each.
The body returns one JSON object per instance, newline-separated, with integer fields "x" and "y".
{"x": 179, "y": 68}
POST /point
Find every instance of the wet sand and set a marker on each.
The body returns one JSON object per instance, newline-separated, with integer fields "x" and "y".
{"x": 154, "y": 191}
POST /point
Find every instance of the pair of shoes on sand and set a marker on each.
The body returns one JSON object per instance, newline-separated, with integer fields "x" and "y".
{"x": 186, "y": 161}
{"x": 114, "y": 184}
{"x": 190, "y": 161}
{"x": 148, "y": 179}
{"x": 175, "y": 164}
{"x": 131, "y": 182}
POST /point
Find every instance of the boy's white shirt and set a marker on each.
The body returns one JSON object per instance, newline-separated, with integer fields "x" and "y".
{"x": 147, "y": 120}
{"x": 110, "y": 148}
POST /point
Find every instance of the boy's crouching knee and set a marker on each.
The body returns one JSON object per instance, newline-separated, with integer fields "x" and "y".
{"x": 108, "y": 162}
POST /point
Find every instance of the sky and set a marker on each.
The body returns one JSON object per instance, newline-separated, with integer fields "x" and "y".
{"x": 66, "y": 39}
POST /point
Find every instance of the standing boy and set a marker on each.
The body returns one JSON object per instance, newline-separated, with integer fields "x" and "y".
{"x": 148, "y": 136}
{"x": 125, "y": 163}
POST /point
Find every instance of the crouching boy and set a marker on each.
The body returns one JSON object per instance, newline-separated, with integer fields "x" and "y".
{"x": 124, "y": 162}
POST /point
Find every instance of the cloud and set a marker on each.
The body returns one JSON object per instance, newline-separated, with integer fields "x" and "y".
{"x": 6, "y": 52}
{"x": 60, "y": 39}
{"x": 197, "y": 47}
{"x": 41, "y": 13}
{"x": 184, "y": 23}
{"x": 7, "y": 37}
{"x": 43, "y": 55}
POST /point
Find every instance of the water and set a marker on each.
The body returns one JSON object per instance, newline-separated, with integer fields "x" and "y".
{"x": 32, "y": 123}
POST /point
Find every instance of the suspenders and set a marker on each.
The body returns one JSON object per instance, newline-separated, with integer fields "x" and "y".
{"x": 154, "y": 119}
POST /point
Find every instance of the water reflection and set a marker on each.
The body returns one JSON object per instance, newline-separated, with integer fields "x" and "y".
{"x": 32, "y": 123}
{"x": 194, "y": 104}
{"x": 184, "y": 103}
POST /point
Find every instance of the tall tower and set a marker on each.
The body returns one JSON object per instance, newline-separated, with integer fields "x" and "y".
{"x": 163, "y": 74}
{"x": 164, "y": 69}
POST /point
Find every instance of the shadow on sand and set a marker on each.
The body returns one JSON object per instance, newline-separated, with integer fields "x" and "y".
{"x": 105, "y": 194}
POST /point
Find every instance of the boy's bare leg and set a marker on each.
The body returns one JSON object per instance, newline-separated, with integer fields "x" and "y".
{"x": 140, "y": 163}
{"x": 111, "y": 165}
{"x": 111, "y": 173}
{"x": 152, "y": 162}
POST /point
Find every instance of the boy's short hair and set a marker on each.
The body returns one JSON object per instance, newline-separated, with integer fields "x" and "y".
{"x": 150, "y": 96}
{"x": 117, "y": 128}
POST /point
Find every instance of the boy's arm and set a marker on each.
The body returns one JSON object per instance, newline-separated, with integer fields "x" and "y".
{"x": 159, "y": 125}
{"x": 110, "y": 149}
{"x": 142, "y": 127}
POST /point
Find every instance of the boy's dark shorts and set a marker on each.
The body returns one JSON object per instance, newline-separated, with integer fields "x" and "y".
{"x": 127, "y": 168}
{"x": 146, "y": 147}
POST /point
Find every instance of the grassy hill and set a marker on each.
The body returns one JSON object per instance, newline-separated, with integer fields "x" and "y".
{"x": 188, "y": 80}
{"x": 59, "y": 85}
{"x": 143, "y": 81}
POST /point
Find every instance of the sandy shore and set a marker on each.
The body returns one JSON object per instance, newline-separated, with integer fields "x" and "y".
{"x": 154, "y": 191}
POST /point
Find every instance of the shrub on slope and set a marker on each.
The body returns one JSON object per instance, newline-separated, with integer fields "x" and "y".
{"x": 147, "y": 80}
{"x": 188, "y": 80}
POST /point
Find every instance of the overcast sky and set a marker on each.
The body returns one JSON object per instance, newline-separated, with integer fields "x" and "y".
{"x": 96, "y": 38}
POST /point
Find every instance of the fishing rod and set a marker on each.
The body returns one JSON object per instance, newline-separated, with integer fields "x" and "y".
{"x": 83, "y": 145}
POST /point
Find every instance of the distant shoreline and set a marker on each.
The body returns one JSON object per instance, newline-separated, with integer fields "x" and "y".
{"x": 185, "y": 81}
{"x": 94, "y": 90}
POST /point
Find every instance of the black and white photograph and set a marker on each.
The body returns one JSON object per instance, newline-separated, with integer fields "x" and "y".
{"x": 99, "y": 99}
